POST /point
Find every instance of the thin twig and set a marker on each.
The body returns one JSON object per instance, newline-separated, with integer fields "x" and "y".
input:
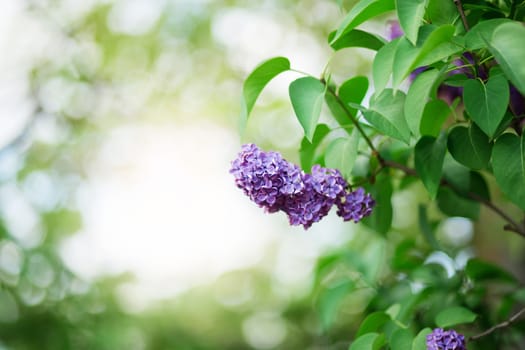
{"x": 462, "y": 14}
{"x": 501, "y": 325}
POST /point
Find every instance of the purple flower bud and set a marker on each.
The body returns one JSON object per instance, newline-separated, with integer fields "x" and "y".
{"x": 440, "y": 339}
{"x": 517, "y": 102}
{"x": 355, "y": 205}
{"x": 393, "y": 30}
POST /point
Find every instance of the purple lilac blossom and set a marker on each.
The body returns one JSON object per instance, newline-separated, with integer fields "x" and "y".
{"x": 517, "y": 102}
{"x": 355, "y": 205}
{"x": 277, "y": 185}
{"x": 440, "y": 339}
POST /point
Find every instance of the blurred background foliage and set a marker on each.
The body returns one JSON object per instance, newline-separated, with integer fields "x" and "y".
{"x": 76, "y": 72}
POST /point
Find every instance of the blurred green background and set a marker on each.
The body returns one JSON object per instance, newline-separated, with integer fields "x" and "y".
{"x": 120, "y": 227}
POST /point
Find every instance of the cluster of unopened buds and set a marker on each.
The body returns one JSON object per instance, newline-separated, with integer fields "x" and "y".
{"x": 275, "y": 184}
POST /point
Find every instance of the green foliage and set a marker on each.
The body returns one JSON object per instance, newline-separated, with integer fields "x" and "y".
{"x": 307, "y": 95}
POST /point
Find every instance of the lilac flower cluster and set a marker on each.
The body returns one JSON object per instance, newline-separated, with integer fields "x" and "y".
{"x": 440, "y": 339}
{"x": 278, "y": 185}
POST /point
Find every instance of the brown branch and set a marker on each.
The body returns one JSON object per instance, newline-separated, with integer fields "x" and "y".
{"x": 501, "y": 325}
{"x": 462, "y": 14}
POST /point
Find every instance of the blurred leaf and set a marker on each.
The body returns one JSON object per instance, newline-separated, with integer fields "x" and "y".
{"x": 307, "y": 96}
{"x": 342, "y": 152}
{"x": 256, "y": 81}
{"x": 434, "y": 115}
{"x": 401, "y": 339}
{"x": 381, "y": 218}
{"x": 356, "y": 38}
{"x": 420, "y": 341}
{"x": 308, "y": 149}
{"x": 330, "y": 300}
{"x": 426, "y": 228}
{"x": 469, "y": 146}
{"x": 369, "y": 341}
{"x": 452, "y": 204}
{"x": 410, "y": 14}
{"x": 508, "y": 164}
{"x": 63, "y": 222}
{"x": 453, "y": 316}
{"x": 361, "y": 12}
{"x": 372, "y": 323}
{"x": 429, "y": 156}
{"x": 479, "y": 271}
{"x": 416, "y": 99}
{"x": 486, "y": 103}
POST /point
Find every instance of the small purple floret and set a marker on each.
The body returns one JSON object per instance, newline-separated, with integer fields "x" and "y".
{"x": 440, "y": 339}
{"x": 278, "y": 185}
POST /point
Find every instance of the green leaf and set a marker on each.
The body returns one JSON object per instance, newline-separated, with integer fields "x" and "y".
{"x": 382, "y": 65}
{"x": 452, "y": 204}
{"x": 307, "y": 96}
{"x": 486, "y": 103}
{"x": 401, "y": 339}
{"x": 342, "y": 152}
{"x": 381, "y": 218}
{"x": 439, "y": 45}
{"x": 404, "y": 57}
{"x": 417, "y": 97}
{"x": 453, "y": 316}
{"x": 429, "y": 156}
{"x": 508, "y": 164}
{"x": 386, "y": 115}
{"x": 479, "y": 270}
{"x": 369, "y": 341}
{"x": 255, "y": 83}
{"x": 353, "y": 91}
{"x": 361, "y": 12}
{"x": 307, "y": 153}
{"x": 434, "y": 115}
{"x": 479, "y": 35}
{"x": 426, "y": 228}
{"x": 469, "y": 146}
{"x": 441, "y": 12}
{"x": 372, "y": 323}
{"x": 420, "y": 341}
{"x": 479, "y": 186}
{"x": 508, "y": 47}
{"x": 330, "y": 301}
{"x": 357, "y": 38}
{"x": 410, "y": 14}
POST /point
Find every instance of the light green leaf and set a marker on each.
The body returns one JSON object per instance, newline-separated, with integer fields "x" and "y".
{"x": 486, "y": 103}
{"x": 404, "y": 58}
{"x": 508, "y": 47}
{"x": 255, "y": 83}
{"x": 508, "y": 164}
{"x": 439, "y": 45}
{"x": 307, "y": 153}
{"x": 410, "y": 14}
{"x": 442, "y": 12}
{"x": 469, "y": 146}
{"x": 342, "y": 152}
{"x": 357, "y": 38}
{"x": 453, "y": 316}
{"x": 420, "y": 341}
{"x": 382, "y": 65}
{"x": 417, "y": 97}
{"x": 307, "y": 96}
{"x": 479, "y": 36}
{"x": 386, "y": 114}
{"x": 361, "y": 12}
{"x": 429, "y": 156}
{"x": 401, "y": 339}
{"x": 330, "y": 300}
{"x": 353, "y": 91}
{"x": 372, "y": 323}
{"x": 369, "y": 341}
{"x": 434, "y": 115}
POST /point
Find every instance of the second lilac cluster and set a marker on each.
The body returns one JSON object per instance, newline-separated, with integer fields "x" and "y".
{"x": 440, "y": 339}
{"x": 275, "y": 184}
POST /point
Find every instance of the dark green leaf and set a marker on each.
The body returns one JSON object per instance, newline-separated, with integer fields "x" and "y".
{"x": 420, "y": 341}
{"x": 342, "y": 152}
{"x": 429, "y": 156}
{"x": 381, "y": 218}
{"x": 479, "y": 186}
{"x": 307, "y": 96}
{"x": 361, "y": 12}
{"x": 452, "y": 204}
{"x": 357, "y": 38}
{"x": 469, "y": 146}
{"x": 372, "y": 323}
{"x": 308, "y": 149}
{"x": 486, "y": 103}
{"x": 417, "y": 97}
{"x": 410, "y": 14}
{"x": 508, "y": 47}
{"x": 382, "y": 65}
{"x": 508, "y": 164}
{"x": 479, "y": 271}
{"x": 401, "y": 339}
{"x": 369, "y": 341}
{"x": 434, "y": 115}
{"x": 386, "y": 115}
{"x": 453, "y": 316}
{"x": 256, "y": 81}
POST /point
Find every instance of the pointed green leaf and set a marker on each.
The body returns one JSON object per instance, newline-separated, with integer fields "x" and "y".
{"x": 429, "y": 156}
{"x": 417, "y": 97}
{"x": 479, "y": 36}
{"x": 401, "y": 339}
{"x": 442, "y": 12}
{"x": 404, "y": 58}
{"x": 372, "y": 323}
{"x": 342, "y": 152}
{"x": 508, "y": 164}
{"x": 453, "y": 316}
{"x": 357, "y": 38}
{"x": 439, "y": 44}
{"x": 508, "y": 47}
{"x": 353, "y": 91}
{"x": 307, "y": 153}
{"x": 382, "y": 65}
{"x": 469, "y": 146}
{"x": 410, "y": 14}
{"x": 369, "y": 341}
{"x": 486, "y": 103}
{"x": 386, "y": 115}
{"x": 434, "y": 115}
{"x": 307, "y": 96}
{"x": 452, "y": 204}
{"x": 361, "y": 12}
{"x": 420, "y": 341}
{"x": 255, "y": 83}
